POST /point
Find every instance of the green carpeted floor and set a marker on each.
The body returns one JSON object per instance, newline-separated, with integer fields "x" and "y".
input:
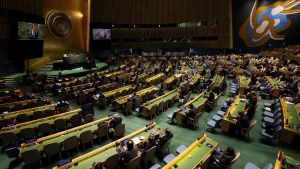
{"x": 251, "y": 151}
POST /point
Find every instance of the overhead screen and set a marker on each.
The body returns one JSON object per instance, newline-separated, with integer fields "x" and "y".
{"x": 30, "y": 31}
{"x": 101, "y": 34}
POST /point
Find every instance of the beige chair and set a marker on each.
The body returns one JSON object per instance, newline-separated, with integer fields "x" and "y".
{"x": 152, "y": 111}
{"x": 245, "y": 132}
{"x": 237, "y": 155}
{"x": 134, "y": 163}
{"x": 194, "y": 121}
{"x": 128, "y": 108}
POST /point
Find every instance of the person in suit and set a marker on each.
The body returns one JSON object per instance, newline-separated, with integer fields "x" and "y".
{"x": 87, "y": 109}
{"x": 116, "y": 120}
{"x": 220, "y": 159}
{"x": 130, "y": 153}
{"x": 33, "y": 34}
{"x": 242, "y": 122}
{"x": 149, "y": 144}
{"x": 164, "y": 139}
{"x": 191, "y": 113}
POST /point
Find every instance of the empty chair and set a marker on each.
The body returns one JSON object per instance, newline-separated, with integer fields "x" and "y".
{"x": 31, "y": 157}
{"x": 59, "y": 125}
{"x": 49, "y": 112}
{"x": 251, "y": 125}
{"x": 128, "y": 108}
{"x": 269, "y": 136}
{"x": 70, "y": 144}
{"x": 51, "y": 150}
{"x": 168, "y": 158}
{"x": 112, "y": 162}
{"x": 76, "y": 120}
{"x": 138, "y": 102}
{"x": 22, "y": 118}
{"x": 31, "y": 105}
{"x": 155, "y": 166}
{"x": 237, "y": 155}
{"x": 101, "y": 104}
{"x": 9, "y": 139}
{"x": 119, "y": 131}
{"x": 148, "y": 155}
{"x": 6, "y": 122}
{"x": 134, "y": 163}
{"x": 152, "y": 111}
{"x": 28, "y": 134}
{"x": 88, "y": 118}
{"x": 160, "y": 107}
{"x": 37, "y": 115}
{"x": 18, "y": 107}
{"x": 102, "y": 131}
{"x": 221, "y": 113}
{"x": 217, "y": 118}
{"x": 250, "y": 165}
{"x": 86, "y": 137}
{"x": 82, "y": 98}
{"x": 63, "y": 109}
{"x": 194, "y": 121}
{"x": 45, "y": 129}
{"x": 180, "y": 148}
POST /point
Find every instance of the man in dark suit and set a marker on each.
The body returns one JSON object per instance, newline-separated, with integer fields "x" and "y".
{"x": 164, "y": 139}
{"x": 130, "y": 153}
{"x": 116, "y": 120}
{"x": 33, "y": 34}
{"x": 149, "y": 144}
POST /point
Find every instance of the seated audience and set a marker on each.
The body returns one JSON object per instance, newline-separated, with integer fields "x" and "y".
{"x": 220, "y": 159}
{"x": 116, "y": 120}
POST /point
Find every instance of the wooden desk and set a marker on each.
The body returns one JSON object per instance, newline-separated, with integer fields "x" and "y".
{"x": 197, "y": 155}
{"x": 112, "y": 93}
{"x": 155, "y": 78}
{"x": 102, "y": 153}
{"x": 168, "y": 96}
{"x": 13, "y": 104}
{"x": 291, "y": 120}
{"x": 233, "y": 110}
{"x": 123, "y": 100}
{"x": 288, "y": 161}
{"x": 198, "y": 102}
{"x": 61, "y": 136}
{"x": 244, "y": 83}
{"x": 276, "y": 86}
{"x": 28, "y": 112}
{"x": 35, "y": 123}
{"x": 170, "y": 80}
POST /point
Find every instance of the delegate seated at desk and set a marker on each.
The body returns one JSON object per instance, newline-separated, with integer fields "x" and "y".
{"x": 191, "y": 113}
{"x": 129, "y": 153}
{"x": 242, "y": 122}
{"x": 220, "y": 159}
{"x": 116, "y": 120}
{"x": 164, "y": 139}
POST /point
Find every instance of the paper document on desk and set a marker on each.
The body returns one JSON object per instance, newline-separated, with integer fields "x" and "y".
{"x": 136, "y": 140}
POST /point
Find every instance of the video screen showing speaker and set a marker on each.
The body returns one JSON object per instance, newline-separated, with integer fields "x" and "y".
{"x": 30, "y": 31}
{"x": 101, "y": 34}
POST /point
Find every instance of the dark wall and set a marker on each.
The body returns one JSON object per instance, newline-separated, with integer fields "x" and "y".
{"x": 247, "y": 37}
{"x": 147, "y": 12}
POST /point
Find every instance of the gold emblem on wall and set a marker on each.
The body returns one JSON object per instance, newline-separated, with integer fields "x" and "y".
{"x": 59, "y": 24}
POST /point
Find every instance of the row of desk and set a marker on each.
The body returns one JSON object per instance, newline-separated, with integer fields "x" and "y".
{"x": 61, "y": 136}
{"x": 276, "y": 86}
{"x": 141, "y": 93}
{"x": 154, "y": 78}
{"x": 99, "y": 155}
{"x": 146, "y": 108}
{"x": 227, "y": 120}
{"x": 291, "y": 121}
{"x": 198, "y": 102}
{"x": 16, "y": 129}
{"x": 13, "y": 115}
